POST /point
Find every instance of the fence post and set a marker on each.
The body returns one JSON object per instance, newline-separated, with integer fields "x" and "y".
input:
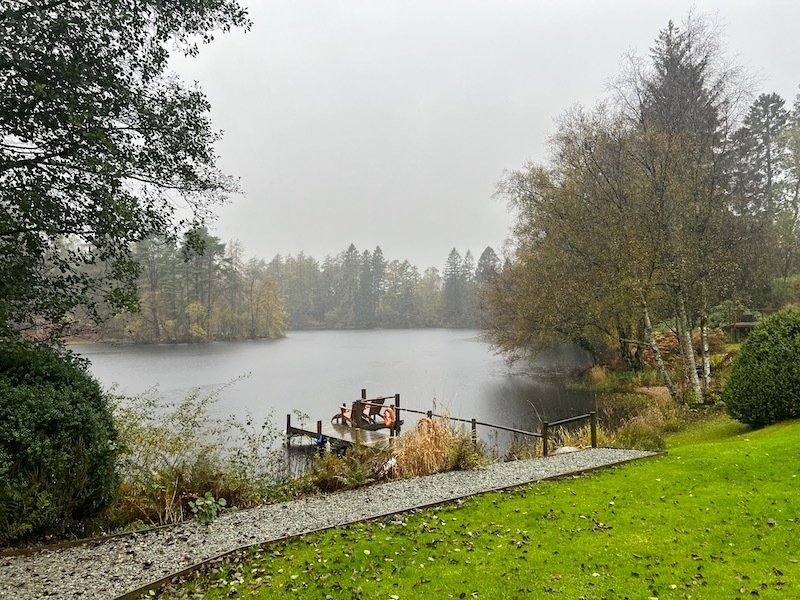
{"x": 474, "y": 432}
{"x": 545, "y": 427}
{"x": 319, "y": 429}
{"x": 593, "y": 424}
{"x": 288, "y": 430}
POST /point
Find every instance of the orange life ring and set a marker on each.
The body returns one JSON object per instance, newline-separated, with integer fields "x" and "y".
{"x": 388, "y": 416}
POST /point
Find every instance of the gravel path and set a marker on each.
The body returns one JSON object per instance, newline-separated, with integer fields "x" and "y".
{"x": 113, "y": 567}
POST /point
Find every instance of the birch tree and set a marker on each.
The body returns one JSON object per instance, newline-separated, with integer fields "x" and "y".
{"x": 632, "y": 221}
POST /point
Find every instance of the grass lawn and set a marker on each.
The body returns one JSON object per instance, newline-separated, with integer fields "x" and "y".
{"x": 717, "y": 517}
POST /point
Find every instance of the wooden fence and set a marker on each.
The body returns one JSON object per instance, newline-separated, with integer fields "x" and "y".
{"x": 547, "y": 426}
{"x": 370, "y": 433}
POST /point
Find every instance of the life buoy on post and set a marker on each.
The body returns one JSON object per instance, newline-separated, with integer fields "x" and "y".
{"x": 388, "y": 416}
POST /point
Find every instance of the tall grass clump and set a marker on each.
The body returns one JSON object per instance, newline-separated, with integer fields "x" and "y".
{"x": 355, "y": 467}
{"x": 174, "y": 453}
{"x": 435, "y": 445}
{"x": 523, "y": 448}
{"x": 638, "y": 419}
{"x": 581, "y": 437}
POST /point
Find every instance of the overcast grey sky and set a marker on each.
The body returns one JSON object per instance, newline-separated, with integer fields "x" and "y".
{"x": 389, "y": 122}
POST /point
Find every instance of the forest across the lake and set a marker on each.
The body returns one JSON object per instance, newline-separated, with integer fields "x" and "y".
{"x": 221, "y": 294}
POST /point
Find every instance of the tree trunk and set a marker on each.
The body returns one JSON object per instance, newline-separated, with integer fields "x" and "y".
{"x": 625, "y": 349}
{"x": 651, "y": 339}
{"x": 688, "y": 348}
{"x": 706, "y": 353}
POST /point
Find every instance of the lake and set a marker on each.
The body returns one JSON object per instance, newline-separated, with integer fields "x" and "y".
{"x": 316, "y": 371}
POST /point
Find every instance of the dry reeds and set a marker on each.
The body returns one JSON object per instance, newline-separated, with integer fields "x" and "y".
{"x": 523, "y": 448}
{"x": 581, "y": 437}
{"x": 434, "y": 446}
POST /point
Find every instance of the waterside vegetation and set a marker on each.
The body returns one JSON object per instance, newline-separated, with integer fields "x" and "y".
{"x": 169, "y": 458}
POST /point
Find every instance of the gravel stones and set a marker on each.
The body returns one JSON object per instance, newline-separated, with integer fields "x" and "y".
{"x": 110, "y": 568}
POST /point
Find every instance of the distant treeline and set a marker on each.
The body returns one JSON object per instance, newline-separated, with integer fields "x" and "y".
{"x": 218, "y": 293}
{"x": 363, "y": 289}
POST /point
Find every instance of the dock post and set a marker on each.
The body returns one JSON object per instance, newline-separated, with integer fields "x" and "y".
{"x": 545, "y": 427}
{"x": 288, "y": 430}
{"x": 358, "y": 413}
{"x": 474, "y": 432}
{"x": 593, "y": 425}
{"x": 396, "y": 426}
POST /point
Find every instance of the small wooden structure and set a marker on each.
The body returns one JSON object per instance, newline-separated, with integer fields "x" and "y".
{"x": 375, "y": 434}
{"x": 743, "y": 321}
{"x": 362, "y": 433}
{"x": 741, "y": 324}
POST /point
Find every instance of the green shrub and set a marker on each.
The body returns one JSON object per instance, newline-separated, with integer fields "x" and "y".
{"x": 356, "y": 467}
{"x": 57, "y": 442}
{"x": 763, "y": 386}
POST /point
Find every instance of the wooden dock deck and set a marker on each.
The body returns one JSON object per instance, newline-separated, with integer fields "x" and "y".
{"x": 362, "y": 429}
{"x": 339, "y": 434}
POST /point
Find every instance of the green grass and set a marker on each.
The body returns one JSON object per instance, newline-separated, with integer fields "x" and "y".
{"x": 717, "y": 517}
{"x": 719, "y": 429}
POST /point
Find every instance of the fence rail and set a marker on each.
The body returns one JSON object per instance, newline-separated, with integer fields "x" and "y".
{"x": 355, "y": 434}
{"x": 544, "y": 435}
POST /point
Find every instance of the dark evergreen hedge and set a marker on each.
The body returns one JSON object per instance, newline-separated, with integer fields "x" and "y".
{"x": 764, "y": 384}
{"x": 57, "y": 442}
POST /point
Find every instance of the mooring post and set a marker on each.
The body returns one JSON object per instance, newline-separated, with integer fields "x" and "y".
{"x": 396, "y": 426}
{"x": 475, "y": 432}
{"x": 545, "y": 426}
{"x": 288, "y": 430}
{"x": 593, "y": 425}
{"x": 358, "y": 413}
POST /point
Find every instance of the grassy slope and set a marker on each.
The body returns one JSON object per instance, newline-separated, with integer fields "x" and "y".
{"x": 715, "y": 518}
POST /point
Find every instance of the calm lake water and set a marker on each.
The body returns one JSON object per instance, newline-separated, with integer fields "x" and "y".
{"x": 315, "y": 371}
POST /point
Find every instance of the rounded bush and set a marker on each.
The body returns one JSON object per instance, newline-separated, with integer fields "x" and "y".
{"x": 57, "y": 442}
{"x": 764, "y": 383}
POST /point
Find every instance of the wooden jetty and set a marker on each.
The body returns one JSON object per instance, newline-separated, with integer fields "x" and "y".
{"x": 363, "y": 430}
{"x": 360, "y": 432}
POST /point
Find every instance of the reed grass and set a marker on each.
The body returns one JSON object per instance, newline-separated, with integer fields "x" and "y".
{"x": 435, "y": 445}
